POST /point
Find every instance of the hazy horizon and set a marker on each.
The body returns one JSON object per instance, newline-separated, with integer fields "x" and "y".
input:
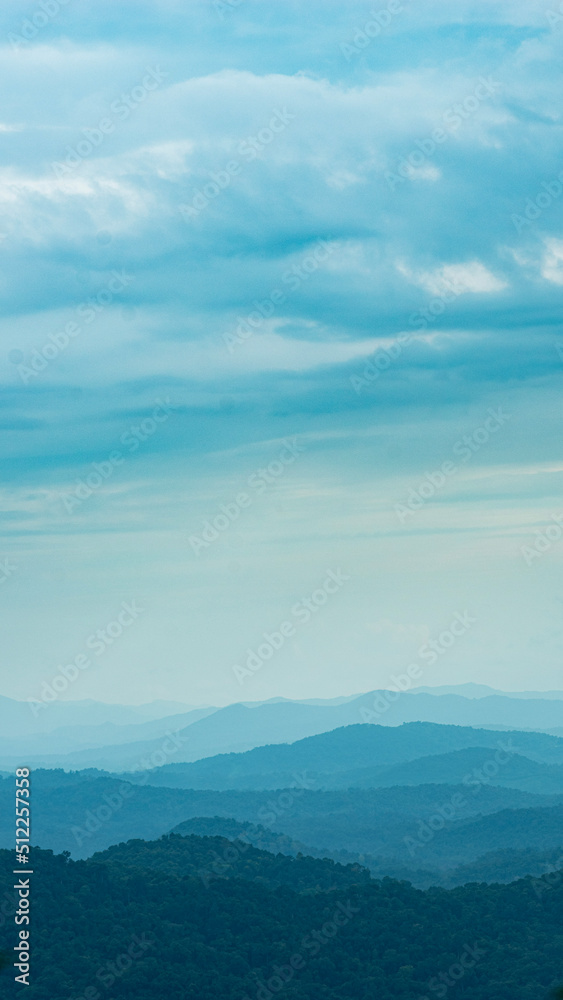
{"x": 347, "y": 697}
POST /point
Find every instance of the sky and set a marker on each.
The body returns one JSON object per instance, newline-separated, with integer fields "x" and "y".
{"x": 281, "y": 346}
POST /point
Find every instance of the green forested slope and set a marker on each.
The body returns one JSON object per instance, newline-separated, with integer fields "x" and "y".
{"x": 237, "y": 938}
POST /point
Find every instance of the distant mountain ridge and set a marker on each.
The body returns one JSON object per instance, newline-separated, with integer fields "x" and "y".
{"x": 471, "y": 690}
{"x": 20, "y": 719}
{"x": 96, "y": 737}
{"x": 371, "y": 756}
{"x": 84, "y": 812}
{"x": 245, "y": 726}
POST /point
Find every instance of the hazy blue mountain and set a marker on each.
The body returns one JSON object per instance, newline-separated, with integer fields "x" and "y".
{"x": 251, "y": 833}
{"x": 470, "y": 766}
{"x": 84, "y": 811}
{"x": 443, "y": 837}
{"x": 516, "y": 712}
{"x": 232, "y": 729}
{"x": 77, "y": 738}
{"x": 504, "y": 865}
{"x": 18, "y": 720}
{"x": 484, "y": 691}
{"x": 540, "y": 829}
{"x": 242, "y": 727}
{"x": 360, "y": 756}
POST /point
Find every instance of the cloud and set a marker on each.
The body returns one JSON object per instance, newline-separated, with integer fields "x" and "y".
{"x": 470, "y": 278}
{"x": 260, "y": 143}
{"x": 552, "y": 265}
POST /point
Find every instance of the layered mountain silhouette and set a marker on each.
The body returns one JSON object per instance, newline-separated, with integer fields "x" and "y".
{"x": 371, "y": 756}
{"x": 237, "y": 728}
{"x": 418, "y": 773}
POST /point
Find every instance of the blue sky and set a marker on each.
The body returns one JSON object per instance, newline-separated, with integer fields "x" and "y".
{"x": 264, "y": 223}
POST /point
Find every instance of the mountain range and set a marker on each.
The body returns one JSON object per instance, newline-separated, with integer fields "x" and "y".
{"x": 115, "y": 738}
{"x": 421, "y": 796}
{"x": 372, "y": 756}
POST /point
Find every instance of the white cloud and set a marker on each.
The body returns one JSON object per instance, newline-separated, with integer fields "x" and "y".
{"x": 469, "y": 278}
{"x": 552, "y": 264}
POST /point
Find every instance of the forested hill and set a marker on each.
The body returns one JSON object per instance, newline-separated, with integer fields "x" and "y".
{"x": 505, "y": 865}
{"x": 102, "y": 929}
{"x": 216, "y": 857}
